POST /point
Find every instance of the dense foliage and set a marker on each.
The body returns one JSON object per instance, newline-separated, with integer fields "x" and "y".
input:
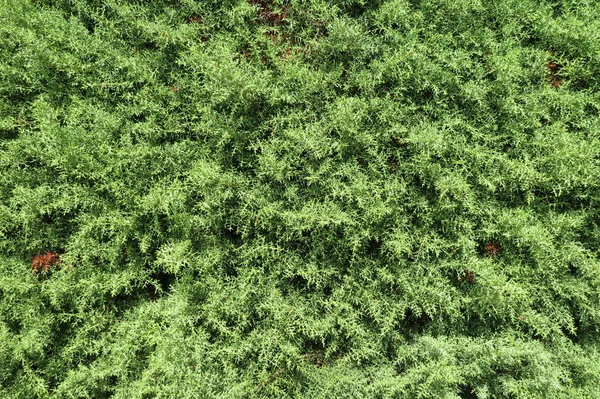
{"x": 299, "y": 199}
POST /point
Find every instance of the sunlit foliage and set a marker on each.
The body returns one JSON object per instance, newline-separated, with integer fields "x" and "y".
{"x": 299, "y": 199}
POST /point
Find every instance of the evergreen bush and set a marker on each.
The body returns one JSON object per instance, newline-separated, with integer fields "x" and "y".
{"x": 299, "y": 199}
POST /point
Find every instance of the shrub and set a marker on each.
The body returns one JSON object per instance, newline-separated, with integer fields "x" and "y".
{"x": 308, "y": 199}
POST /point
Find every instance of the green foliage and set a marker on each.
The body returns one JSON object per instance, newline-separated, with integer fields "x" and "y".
{"x": 300, "y": 199}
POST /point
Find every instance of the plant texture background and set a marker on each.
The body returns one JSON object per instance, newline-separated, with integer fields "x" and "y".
{"x": 299, "y": 199}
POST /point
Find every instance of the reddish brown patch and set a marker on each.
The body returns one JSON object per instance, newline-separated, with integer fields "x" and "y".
{"x": 272, "y": 35}
{"x": 393, "y": 165}
{"x": 492, "y": 248}
{"x": 174, "y": 89}
{"x": 268, "y": 14}
{"x": 243, "y": 52}
{"x": 553, "y": 76}
{"x": 44, "y": 262}
{"x": 194, "y": 19}
{"x": 286, "y": 55}
{"x": 469, "y": 276}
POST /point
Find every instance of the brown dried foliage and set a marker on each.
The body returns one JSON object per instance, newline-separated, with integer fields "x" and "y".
{"x": 492, "y": 248}
{"x": 392, "y": 163}
{"x": 44, "y": 262}
{"x": 553, "y": 76}
{"x": 287, "y": 55}
{"x": 469, "y": 276}
{"x": 268, "y": 14}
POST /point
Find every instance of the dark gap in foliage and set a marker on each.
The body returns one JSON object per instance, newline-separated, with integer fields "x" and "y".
{"x": 400, "y": 368}
{"x": 90, "y": 24}
{"x": 313, "y": 352}
{"x": 360, "y": 160}
{"x": 373, "y": 247}
{"x": 415, "y": 323}
{"x": 473, "y": 323}
{"x": 557, "y": 8}
{"x": 356, "y": 9}
{"x": 46, "y": 218}
{"x": 14, "y": 325}
{"x": 244, "y": 52}
{"x": 19, "y": 96}
{"x": 161, "y": 227}
{"x": 230, "y": 270}
{"x": 397, "y": 142}
{"x": 562, "y": 202}
{"x": 61, "y": 336}
{"x": 367, "y": 320}
{"x": 147, "y": 45}
{"x": 579, "y": 84}
{"x": 169, "y": 56}
{"x": 299, "y": 282}
{"x": 30, "y": 163}
{"x": 390, "y": 345}
{"x": 9, "y": 134}
{"x": 461, "y": 278}
{"x": 573, "y": 337}
{"x": 582, "y": 331}
{"x": 239, "y": 159}
{"x": 388, "y": 90}
{"x": 467, "y": 392}
{"x": 415, "y": 4}
{"x": 573, "y": 128}
{"x": 119, "y": 303}
{"x": 353, "y": 91}
{"x": 423, "y": 96}
{"x": 106, "y": 389}
{"x": 313, "y": 345}
{"x": 87, "y": 358}
{"x": 529, "y": 38}
{"x": 424, "y": 189}
{"x": 232, "y": 234}
{"x": 163, "y": 284}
